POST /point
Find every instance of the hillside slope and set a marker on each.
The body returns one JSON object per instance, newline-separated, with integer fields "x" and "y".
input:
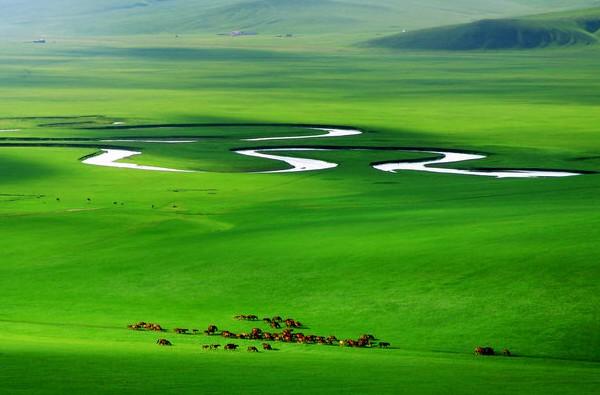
{"x": 562, "y": 29}
{"x": 91, "y": 17}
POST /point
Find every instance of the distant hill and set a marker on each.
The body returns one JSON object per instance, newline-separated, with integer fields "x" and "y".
{"x": 37, "y": 18}
{"x": 558, "y": 29}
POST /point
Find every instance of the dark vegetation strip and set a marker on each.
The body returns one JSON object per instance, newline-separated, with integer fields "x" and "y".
{"x": 55, "y": 117}
{"x": 200, "y": 125}
{"x": 100, "y": 139}
{"x": 57, "y": 145}
{"x": 361, "y": 148}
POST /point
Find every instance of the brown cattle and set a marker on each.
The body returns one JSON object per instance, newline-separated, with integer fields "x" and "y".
{"x": 484, "y": 351}
{"x": 252, "y": 349}
{"x": 506, "y": 352}
{"x": 267, "y": 347}
{"x": 163, "y": 342}
{"x": 384, "y": 345}
{"x": 244, "y": 317}
{"x": 231, "y": 347}
{"x": 363, "y": 342}
{"x": 275, "y": 325}
{"x": 212, "y": 329}
{"x": 277, "y": 319}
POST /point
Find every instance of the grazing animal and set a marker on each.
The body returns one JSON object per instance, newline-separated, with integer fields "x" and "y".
{"x": 181, "y": 331}
{"x": 277, "y": 319}
{"x": 275, "y": 325}
{"x": 227, "y": 334}
{"x": 384, "y": 345}
{"x": 484, "y": 351}
{"x": 267, "y": 347}
{"x": 351, "y": 343}
{"x": 206, "y": 347}
{"x": 256, "y": 333}
{"x": 244, "y": 317}
{"x": 163, "y": 342}
{"x": 506, "y": 352}
{"x": 215, "y": 346}
{"x": 145, "y": 325}
{"x": 252, "y": 349}
{"x": 212, "y": 329}
{"x": 267, "y": 320}
{"x": 231, "y": 347}
{"x": 363, "y": 342}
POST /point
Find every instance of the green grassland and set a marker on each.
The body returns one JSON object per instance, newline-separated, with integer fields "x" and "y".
{"x": 435, "y": 264}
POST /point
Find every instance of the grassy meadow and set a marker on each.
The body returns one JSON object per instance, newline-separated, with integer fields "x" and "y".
{"x": 435, "y": 264}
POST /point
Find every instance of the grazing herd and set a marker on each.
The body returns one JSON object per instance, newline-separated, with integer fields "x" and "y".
{"x": 146, "y": 325}
{"x": 290, "y": 334}
{"x": 489, "y": 351}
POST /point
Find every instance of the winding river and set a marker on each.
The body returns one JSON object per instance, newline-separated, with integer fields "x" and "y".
{"x": 455, "y": 157}
{"x": 111, "y": 157}
{"x": 298, "y": 164}
{"x": 330, "y": 133}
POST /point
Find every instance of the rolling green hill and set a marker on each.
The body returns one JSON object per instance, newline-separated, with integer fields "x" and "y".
{"x": 563, "y": 29}
{"x": 120, "y": 17}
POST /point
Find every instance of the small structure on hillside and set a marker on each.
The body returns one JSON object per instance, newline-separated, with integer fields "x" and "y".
{"x": 237, "y": 33}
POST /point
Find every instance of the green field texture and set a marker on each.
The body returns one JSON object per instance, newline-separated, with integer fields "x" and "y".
{"x": 435, "y": 264}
